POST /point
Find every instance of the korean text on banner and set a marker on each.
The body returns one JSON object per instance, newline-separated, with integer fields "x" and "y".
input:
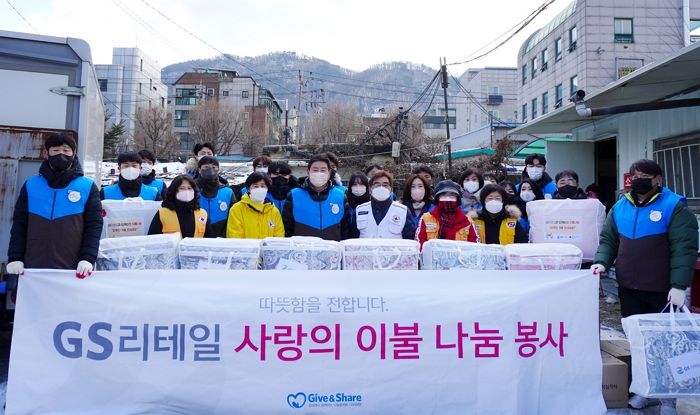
{"x": 307, "y": 342}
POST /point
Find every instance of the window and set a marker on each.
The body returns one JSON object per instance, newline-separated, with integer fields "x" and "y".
{"x": 573, "y": 38}
{"x": 545, "y": 59}
{"x": 244, "y": 94}
{"x": 494, "y": 115}
{"x": 493, "y": 90}
{"x": 162, "y": 102}
{"x": 558, "y": 95}
{"x": 141, "y": 65}
{"x": 624, "y": 31}
{"x": 524, "y": 74}
{"x": 573, "y": 85}
{"x": 545, "y": 103}
{"x": 210, "y": 92}
{"x": 186, "y": 142}
{"x": 679, "y": 158}
{"x": 524, "y": 112}
{"x": 103, "y": 84}
{"x": 246, "y": 115}
{"x": 558, "y": 46}
{"x": 224, "y": 93}
{"x": 534, "y": 108}
{"x": 694, "y": 31}
{"x": 533, "y": 67}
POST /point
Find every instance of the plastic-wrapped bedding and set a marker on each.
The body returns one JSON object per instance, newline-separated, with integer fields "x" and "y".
{"x": 543, "y": 256}
{"x": 380, "y": 254}
{"x": 446, "y": 254}
{"x": 301, "y": 252}
{"x": 127, "y": 217}
{"x": 219, "y": 253}
{"x": 138, "y": 252}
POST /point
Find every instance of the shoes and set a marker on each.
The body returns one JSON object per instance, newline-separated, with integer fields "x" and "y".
{"x": 640, "y": 402}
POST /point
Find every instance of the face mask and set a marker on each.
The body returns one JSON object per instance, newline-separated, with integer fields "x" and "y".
{"x": 568, "y": 191}
{"x": 358, "y": 190}
{"x": 527, "y": 195}
{"x": 494, "y": 206}
{"x": 262, "y": 170}
{"x": 130, "y": 173}
{"x": 258, "y": 194}
{"x": 208, "y": 174}
{"x": 471, "y": 186}
{"x": 146, "y": 169}
{"x": 381, "y": 193}
{"x": 448, "y": 206}
{"x": 185, "y": 195}
{"x": 60, "y": 162}
{"x": 318, "y": 179}
{"x": 535, "y": 173}
{"x": 642, "y": 186}
{"x": 417, "y": 194}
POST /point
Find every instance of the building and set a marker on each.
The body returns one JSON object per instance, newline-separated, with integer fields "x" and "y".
{"x": 595, "y": 42}
{"x": 261, "y": 112}
{"x": 131, "y": 82}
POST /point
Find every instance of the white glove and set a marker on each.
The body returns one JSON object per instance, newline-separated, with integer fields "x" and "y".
{"x": 598, "y": 269}
{"x": 676, "y": 297}
{"x": 15, "y": 267}
{"x": 84, "y": 269}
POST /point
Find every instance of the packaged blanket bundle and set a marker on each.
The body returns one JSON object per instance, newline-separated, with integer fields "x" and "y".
{"x": 542, "y": 256}
{"x": 127, "y": 217}
{"x": 301, "y": 252}
{"x": 445, "y": 254}
{"x": 380, "y": 254}
{"x": 219, "y": 253}
{"x": 138, "y": 252}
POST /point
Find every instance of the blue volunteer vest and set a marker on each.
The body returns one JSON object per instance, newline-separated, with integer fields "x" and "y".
{"x": 279, "y": 204}
{"x": 318, "y": 215}
{"x": 113, "y": 192}
{"x": 217, "y": 207}
{"x": 653, "y": 219}
{"x": 158, "y": 184}
{"x": 52, "y": 203}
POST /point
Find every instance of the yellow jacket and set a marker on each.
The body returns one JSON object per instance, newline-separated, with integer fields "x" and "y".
{"x": 251, "y": 220}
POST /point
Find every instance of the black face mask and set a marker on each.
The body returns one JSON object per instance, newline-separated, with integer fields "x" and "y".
{"x": 642, "y": 186}
{"x": 568, "y": 191}
{"x": 60, "y": 162}
{"x": 209, "y": 174}
{"x": 280, "y": 187}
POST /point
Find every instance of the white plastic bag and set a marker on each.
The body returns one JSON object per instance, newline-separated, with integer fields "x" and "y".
{"x": 542, "y": 256}
{"x": 139, "y": 252}
{"x": 127, "y": 217}
{"x": 301, "y": 252}
{"x": 447, "y": 254}
{"x": 219, "y": 253}
{"x": 380, "y": 254}
{"x": 665, "y": 350}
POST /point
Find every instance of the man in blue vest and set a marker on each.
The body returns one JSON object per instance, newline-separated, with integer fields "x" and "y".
{"x": 317, "y": 208}
{"x": 148, "y": 174}
{"x": 57, "y": 220}
{"x": 652, "y": 238}
{"x": 214, "y": 197}
{"x": 130, "y": 182}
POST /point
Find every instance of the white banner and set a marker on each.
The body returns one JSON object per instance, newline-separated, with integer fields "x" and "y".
{"x": 306, "y": 342}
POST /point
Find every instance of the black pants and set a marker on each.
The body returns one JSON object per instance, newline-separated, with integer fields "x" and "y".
{"x": 640, "y": 302}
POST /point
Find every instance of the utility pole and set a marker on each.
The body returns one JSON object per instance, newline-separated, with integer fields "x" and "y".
{"x": 396, "y": 144}
{"x": 301, "y": 83}
{"x": 443, "y": 67}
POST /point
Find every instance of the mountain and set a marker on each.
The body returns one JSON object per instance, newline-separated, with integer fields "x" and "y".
{"x": 388, "y": 85}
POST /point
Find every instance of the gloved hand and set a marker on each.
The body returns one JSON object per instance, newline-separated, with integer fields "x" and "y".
{"x": 598, "y": 269}
{"x": 15, "y": 267}
{"x": 676, "y": 297}
{"x": 84, "y": 269}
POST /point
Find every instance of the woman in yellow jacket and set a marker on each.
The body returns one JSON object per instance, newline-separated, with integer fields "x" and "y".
{"x": 255, "y": 217}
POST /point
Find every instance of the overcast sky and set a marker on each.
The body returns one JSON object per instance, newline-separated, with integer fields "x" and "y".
{"x": 352, "y": 33}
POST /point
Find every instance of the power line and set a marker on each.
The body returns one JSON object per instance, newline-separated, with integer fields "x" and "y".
{"x": 23, "y": 18}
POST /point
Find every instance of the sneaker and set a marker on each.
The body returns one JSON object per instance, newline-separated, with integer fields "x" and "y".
{"x": 640, "y": 402}
{"x": 668, "y": 407}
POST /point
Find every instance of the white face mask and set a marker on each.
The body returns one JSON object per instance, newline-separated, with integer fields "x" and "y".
{"x": 130, "y": 173}
{"x": 448, "y": 198}
{"x": 185, "y": 195}
{"x": 359, "y": 190}
{"x": 381, "y": 193}
{"x": 417, "y": 194}
{"x": 494, "y": 206}
{"x": 258, "y": 194}
{"x": 262, "y": 170}
{"x": 470, "y": 186}
{"x": 146, "y": 169}
{"x": 318, "y": 179}
{"x": 527, "y": 195}
{"x": 535, "y": 173}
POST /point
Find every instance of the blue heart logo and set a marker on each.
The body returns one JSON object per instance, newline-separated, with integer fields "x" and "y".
{"x": 296, "y": 401}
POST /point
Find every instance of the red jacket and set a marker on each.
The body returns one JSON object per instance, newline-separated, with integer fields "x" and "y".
{"x": 431, "y": 226}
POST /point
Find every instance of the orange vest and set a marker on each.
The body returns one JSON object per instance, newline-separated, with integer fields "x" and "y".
{"x": 432, "y": 228}
{"x": 506, "y": 234}
{"x": 168, "y": 218}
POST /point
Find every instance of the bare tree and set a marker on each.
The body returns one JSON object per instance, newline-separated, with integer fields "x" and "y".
{"x": 154, "y": 132}
{"x": 336, "y": 122}
{"x": 220, "y": 124}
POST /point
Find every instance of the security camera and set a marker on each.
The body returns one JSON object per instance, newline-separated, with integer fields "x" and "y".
{"x": 578, "y": 96}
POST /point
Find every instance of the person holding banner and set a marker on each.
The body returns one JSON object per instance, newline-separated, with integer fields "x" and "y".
{"x": 181, "y": 212}
{"x": 57, "y": 219}
{"x": 651, "y": 237}
{"x": 254, "y": 216}
{"x": 498, "y": 223}
{"x": 148, "y": 174}
{"x": 130, "y": 182}
{"x": 446, "y": 220}
{"x": 214, "y": 197}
